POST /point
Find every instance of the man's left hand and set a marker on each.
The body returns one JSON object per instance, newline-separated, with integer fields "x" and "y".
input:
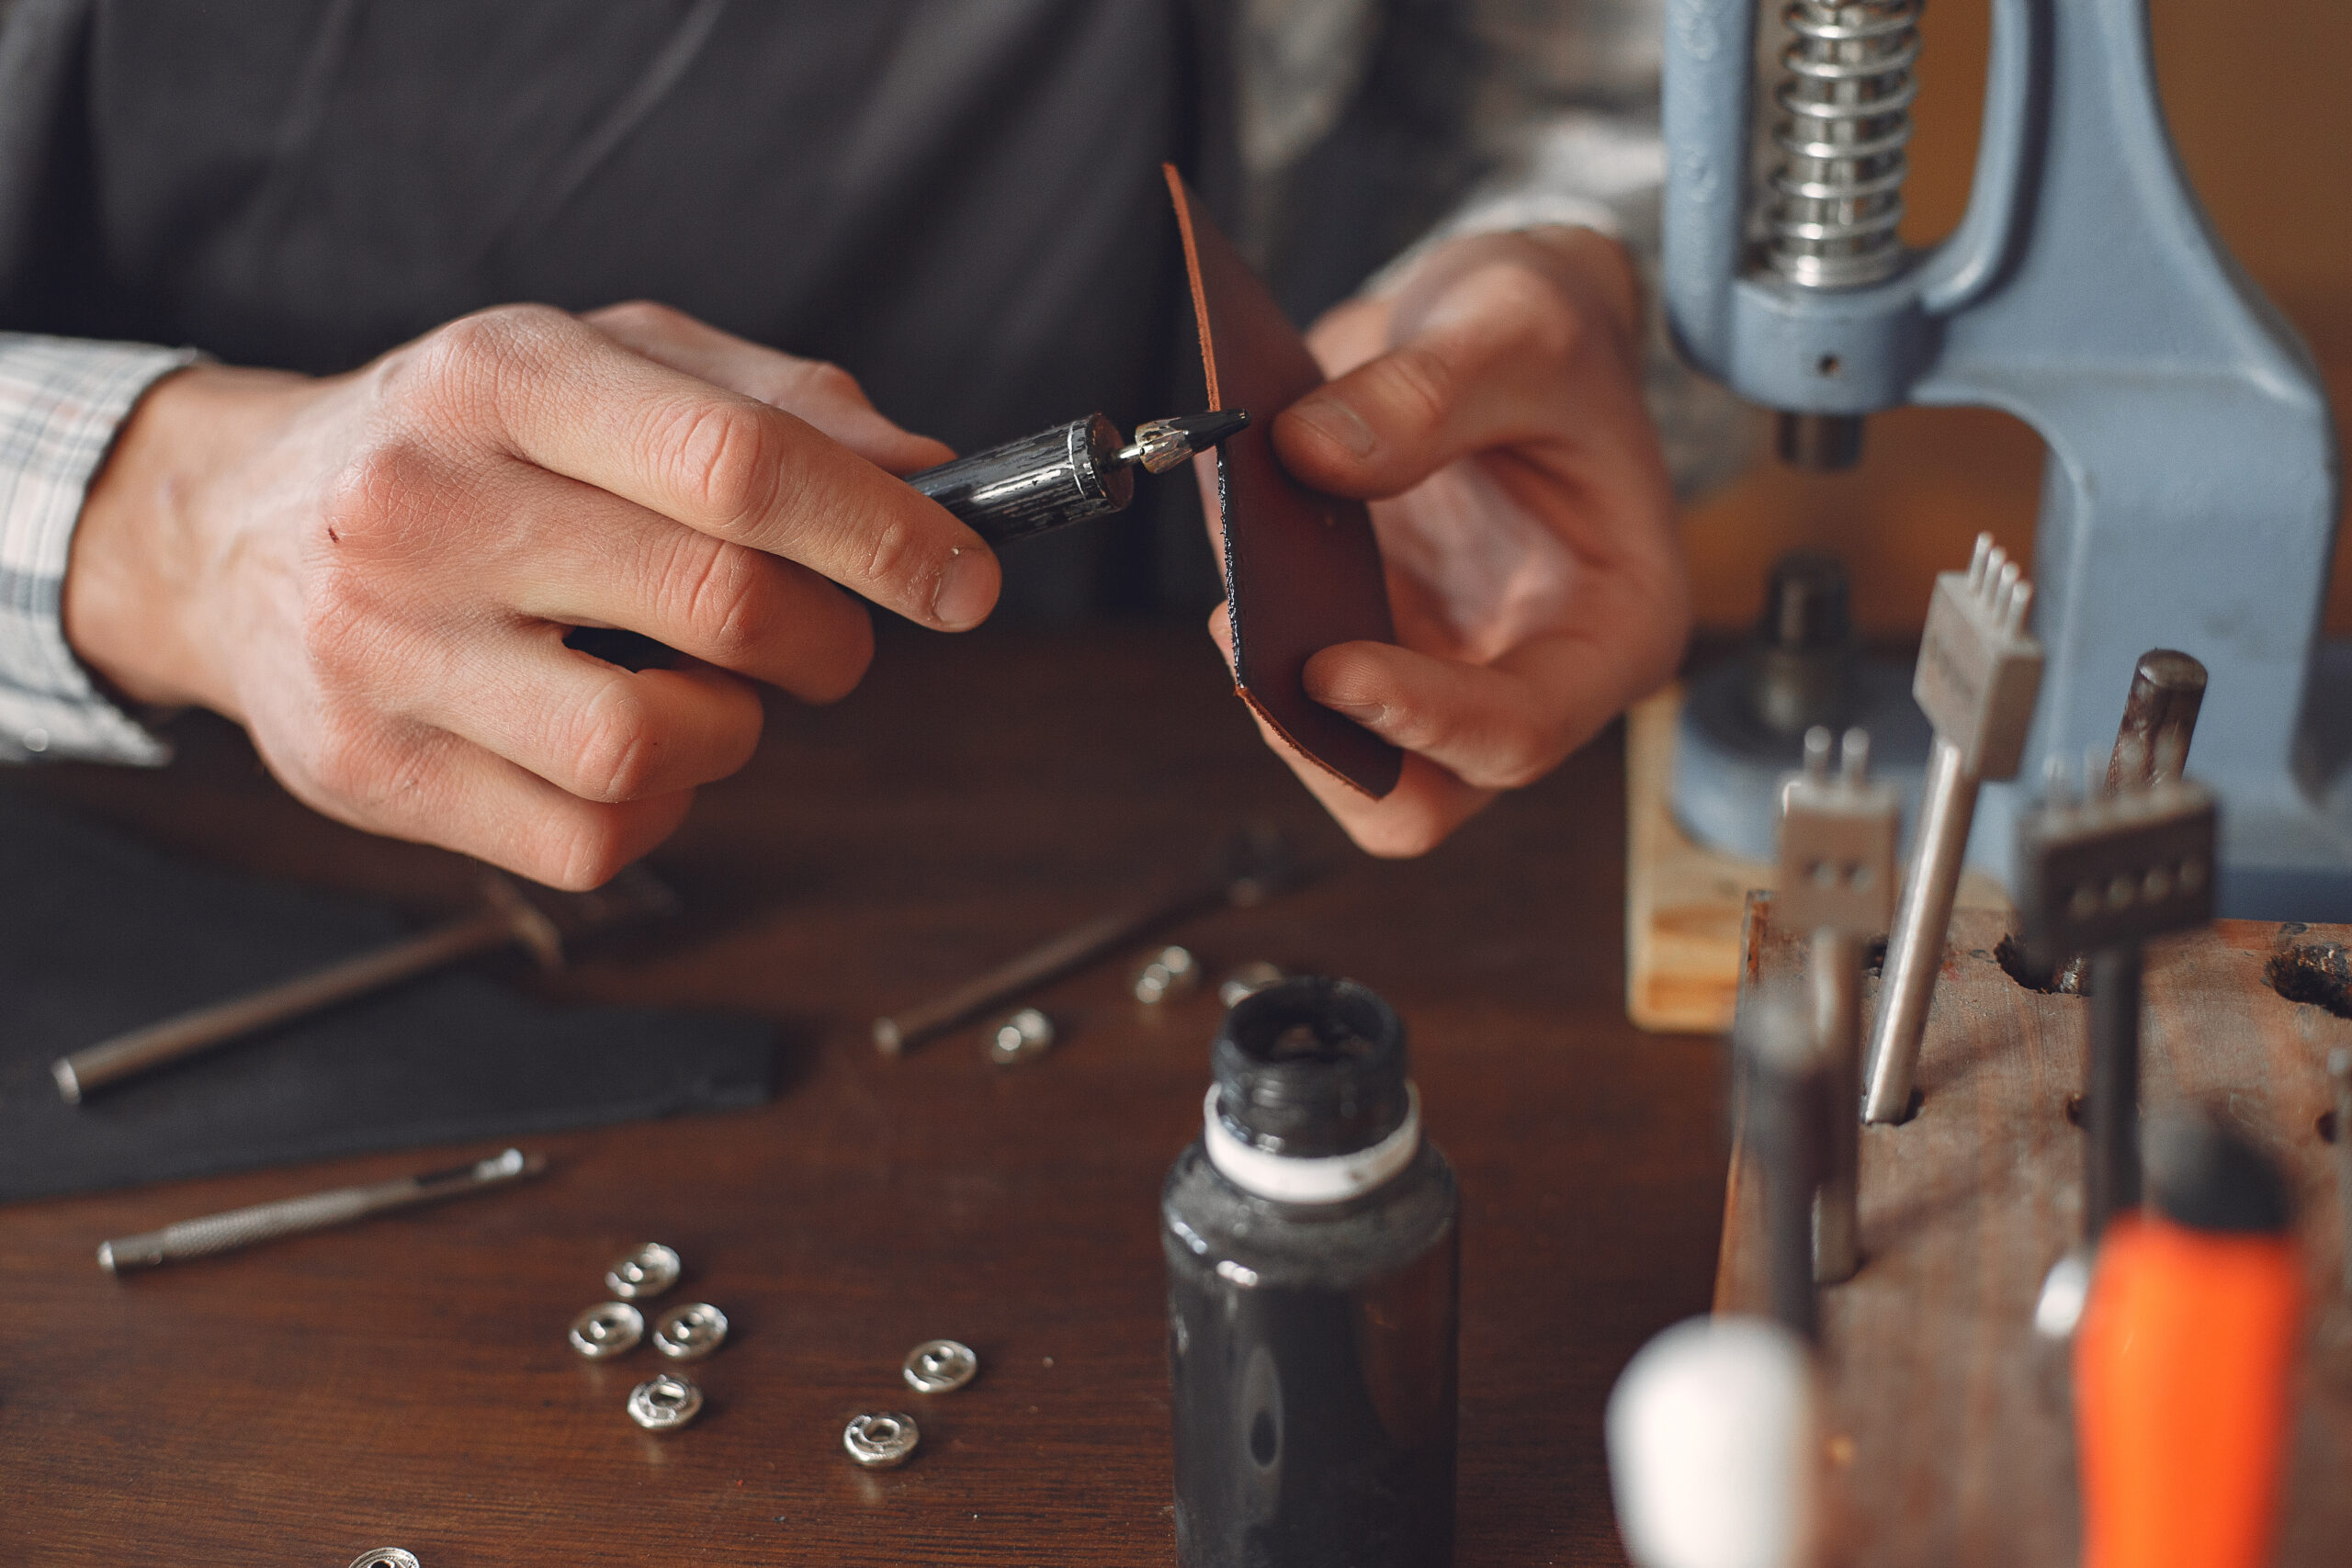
{"x": 1491, "y": 411}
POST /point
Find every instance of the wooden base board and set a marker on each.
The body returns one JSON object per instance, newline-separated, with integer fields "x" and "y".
{"x": 1950, "y": 1436}
{"x": 1683, "y": 901}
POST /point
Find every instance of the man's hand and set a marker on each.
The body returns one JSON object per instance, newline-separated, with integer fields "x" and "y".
{"x": 1491, "y": 411}
{"x": 375, "y": 573}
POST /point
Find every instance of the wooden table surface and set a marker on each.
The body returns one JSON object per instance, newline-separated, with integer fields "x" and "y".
{"x": 406, "y": 1381}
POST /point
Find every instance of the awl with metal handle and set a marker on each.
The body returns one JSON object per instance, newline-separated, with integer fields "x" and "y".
{"x": 1979, "y": 670}
{"x": 1068, "y": 474}
{"x": 508, "y": 917}
{"x": 238, "y": 1228}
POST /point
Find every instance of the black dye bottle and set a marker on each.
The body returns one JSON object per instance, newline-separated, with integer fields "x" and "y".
{"x": 1313, "y": 1269}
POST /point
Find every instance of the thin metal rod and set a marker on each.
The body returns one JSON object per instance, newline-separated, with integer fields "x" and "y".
{"x": 1786, "y": 1116}
{"x": 1914, "y": 948}
{"x": 1074, "y": 948}
{"x": 191, "y": 1033}
{"x": 239, "y": 1228}
{"x": 1836, "y": 961}
{"x": 2112, "y": 1091}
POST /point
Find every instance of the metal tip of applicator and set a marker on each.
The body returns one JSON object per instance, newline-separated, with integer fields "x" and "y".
{"x": 1213, "y": 428}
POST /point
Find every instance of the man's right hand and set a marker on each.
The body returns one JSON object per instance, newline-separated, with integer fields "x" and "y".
{"x": 375, "y": 573}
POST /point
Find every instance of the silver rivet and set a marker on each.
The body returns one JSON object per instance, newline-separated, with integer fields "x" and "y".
{"x": 386, "y": 1557}
{"x": 1171, "y": 973}
{"x": 1247, "y": 981}
{"x": 36, "y": 740}
{"x": 940, "y": 1366}
{"x": 1019, "y": 1037}
{"x": 664, "y": 1404}
{"x": 650, "y": 1270}
{"x": 879, "y": 1441}
{"x": 606, "y": 1329}
{"x": 691, "y": 1332}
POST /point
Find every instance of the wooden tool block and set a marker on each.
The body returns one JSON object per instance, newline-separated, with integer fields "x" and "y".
{"x": 1949, "y": 1433}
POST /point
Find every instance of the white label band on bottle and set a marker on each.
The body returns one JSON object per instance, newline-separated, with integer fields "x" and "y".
{"x": 1322, "y": 1179}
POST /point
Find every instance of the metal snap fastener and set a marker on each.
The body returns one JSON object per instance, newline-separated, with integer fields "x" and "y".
{"x": 1247, "y": 981}
{"x": 881, "y": 1441}
{"x": 1019, "y": 1037}
{"x": 650, "y": 1270}
{"x": 606, "y": 1329}
{"x": 940, "y": 1366}
{"x": 663, "y": 1403}
{"x": 1171, "y": 973}
{"x": 386, "y": 1557}
{"x": 689, "y": 1333}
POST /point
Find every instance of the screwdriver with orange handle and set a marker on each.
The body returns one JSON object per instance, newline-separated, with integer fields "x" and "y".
{"x": 2184, "y": 1361}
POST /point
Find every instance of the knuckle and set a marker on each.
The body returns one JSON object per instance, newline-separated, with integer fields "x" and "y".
{"x": 893, "y": 551}
{"x": 459, "y": 366}
{"x": 824, "y": 381}
{"x": 346, "y": 758}
{"x": 1422, "y": 384}
{"x": 728, "y": 462}
{"x": 584, "y": 850}
{"x": 1543, "y": 317}
{"x": 374, "y": 487}
{"x": 648, "y": 317}
{"x": 614, "y": 750}
{"x": 721, "y": 595}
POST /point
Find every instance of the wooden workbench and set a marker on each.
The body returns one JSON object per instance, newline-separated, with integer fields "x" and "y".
{"x": 407, "y": 1382}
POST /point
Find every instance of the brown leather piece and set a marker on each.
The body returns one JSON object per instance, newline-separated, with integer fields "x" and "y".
{"x": 1302, "y": 569}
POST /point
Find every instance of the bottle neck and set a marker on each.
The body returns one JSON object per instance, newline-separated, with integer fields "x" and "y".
{"x": 1316, "y": 1179}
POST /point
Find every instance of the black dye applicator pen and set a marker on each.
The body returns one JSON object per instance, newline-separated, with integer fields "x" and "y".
{"x": 1068, "y": 474}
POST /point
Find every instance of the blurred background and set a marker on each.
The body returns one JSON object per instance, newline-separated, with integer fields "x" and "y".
{"x": 2253, "y": 93}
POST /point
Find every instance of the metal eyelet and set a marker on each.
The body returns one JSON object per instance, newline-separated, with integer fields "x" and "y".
{"x": 940, "y": 1366}
{"x": 1167, "y": 974}
{"x": 664, "y": 1404}
{"x": 881, "y": 1441}
{"x": 1020, "y": 1036}
{"x": 607, "y": 1329}
{"x": 386, "y": 1557}
{"x": 691, "y": 1332}
{"x": 650, "y": 1270}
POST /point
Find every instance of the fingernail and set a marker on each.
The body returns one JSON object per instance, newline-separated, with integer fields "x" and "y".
{"x": 966, "y": 593}
{"x": 1339, "y": 423}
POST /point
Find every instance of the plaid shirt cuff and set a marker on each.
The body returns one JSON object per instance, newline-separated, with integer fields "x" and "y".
{"x": 61, "y": 402}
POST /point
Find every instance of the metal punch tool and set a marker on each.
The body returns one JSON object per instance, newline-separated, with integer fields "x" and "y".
{"x": 238, "y": 1228}
{"x": 1979, "y": 670}
{"x": 2102, "y": 876}
{"x": 508, "y": 917}
{"x": 1837, "y": 881}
